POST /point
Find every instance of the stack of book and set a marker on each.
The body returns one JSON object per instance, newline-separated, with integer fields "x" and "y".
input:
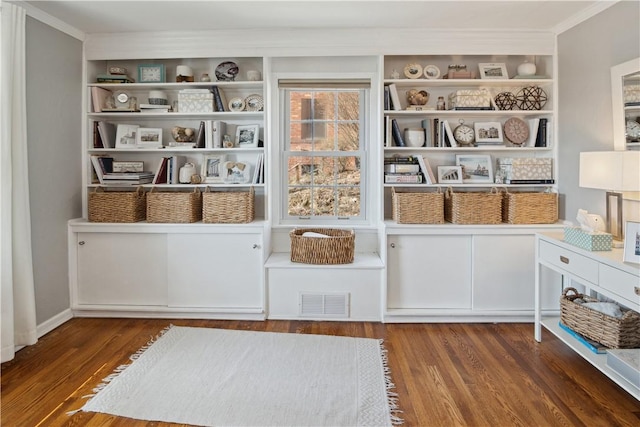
{"x": 154, "y": 108}
{"x": 114, "y": 78}
{"x": 405, "y": 170}
{"x": 127, "y": 178}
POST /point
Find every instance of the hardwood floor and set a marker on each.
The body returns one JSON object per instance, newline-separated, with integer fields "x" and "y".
{"x": 445, "y": 374}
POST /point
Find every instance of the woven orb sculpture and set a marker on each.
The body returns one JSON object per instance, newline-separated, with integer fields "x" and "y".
{"x": 505, "y": 101}
{"x": 531, "y": 98}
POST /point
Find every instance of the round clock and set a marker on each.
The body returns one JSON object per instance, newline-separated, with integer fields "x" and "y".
{"x": 121, "y": 99}
{"x": 516, "y": 130}
{"x": 633, "y": 130}
{"x": 464, "y": 134}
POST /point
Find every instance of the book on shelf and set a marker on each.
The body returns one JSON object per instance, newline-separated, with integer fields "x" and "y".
{"x": 218, "y": 98}
{"x": 107, "y": 132}
{"x": 127, "y": 175}
{"x": 128, "y": 166}
{"x": 387, "y": 98}
{"x": 200, "y": 135}
{"x": 114, "y": 78}
{"x": 428, "y": 136}
{"x": 401, "y": 168}
{"x": 100, "y": 167}
{"x": 401, "y": 160}
{"x": 175, "y": 163}
{"x": 533, "y": 132}
{"x": 395, "y": 98}
{"x": 530, "y": 181}
{"x": 594, "y": 346}
{"x": 398, "y": 140}
{"x": 121, "y": 182}
{"x": 218, "y": 131}
{"x": 403, "y": 178}
{"x": 160, "y": 177}
{"x": 450, "y": 141}
{"x": 97, "y": 140}
{"x": 257, "y": 172}
{"x": 541, "y": 135}
{"x": 429, "y": 177}
{"x": 99, "y": 97}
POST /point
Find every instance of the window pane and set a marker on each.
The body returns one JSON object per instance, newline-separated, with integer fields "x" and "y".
{"x": 325, "y": 173}
{"x": 301, "y": 169}
{"x": 348, "y": 136}
{"x": 349, "y": 201}
{"x": 348, "y": 170}
{"x": 349, "y": 106}
{"x": 324, "y": 202}
{"x": 324, "y": 105}
{"x": 299, "y": 202}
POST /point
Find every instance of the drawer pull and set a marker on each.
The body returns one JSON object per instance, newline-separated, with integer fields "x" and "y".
{"x": 564, "y": 259}
{"x": 636, "y": 289}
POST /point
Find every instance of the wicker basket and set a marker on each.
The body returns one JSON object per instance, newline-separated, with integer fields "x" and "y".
{"x": 473, "y": 207}
{"x": 530, "y": 208}
{"x": 230, "y": 207}
{"x": 338, "y": 248}
{"x": 418, "y": 208}
{"x": 178, "y": 207}
{"x": 610, "y": 331}
{"x": 117, "y": 206}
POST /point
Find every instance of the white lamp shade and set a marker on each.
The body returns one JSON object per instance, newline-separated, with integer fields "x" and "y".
{"x": 610, "y": 170}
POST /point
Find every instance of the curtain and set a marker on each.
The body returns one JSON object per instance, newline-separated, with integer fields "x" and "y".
{"x": 18, "y": 312}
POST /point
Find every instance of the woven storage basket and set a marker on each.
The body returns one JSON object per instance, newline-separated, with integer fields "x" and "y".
{"x": 530, "y": 208}
{"x": 473, "y": 207}
{"x": 418, "y": 208}
{"x": 178, "y": 207}
{"x": 231, "y": 207}
{"x": 117, "y": 206}
{"x": 338, "y": 248}
{"x": 610, "y": 331}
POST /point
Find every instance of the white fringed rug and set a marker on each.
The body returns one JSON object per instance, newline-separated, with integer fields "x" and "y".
{"x": 217, "y": 377}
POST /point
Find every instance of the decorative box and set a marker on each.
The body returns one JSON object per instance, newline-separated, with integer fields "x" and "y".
{"x": 626, "y": 362}
{"x": 631, "y": 94}
{"x": 195, "y": 102}
{"x": 531, "y": 168}
{"x": 470, "y": 99}
{"x": 596, "y": 241}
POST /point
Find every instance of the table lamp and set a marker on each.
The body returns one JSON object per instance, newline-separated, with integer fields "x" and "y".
{"x": 615, "y": 172}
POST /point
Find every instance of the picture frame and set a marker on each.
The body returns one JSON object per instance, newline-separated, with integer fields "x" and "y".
{"x": 632, "y": 242}
{"x": 476, "y": 168}
{"x": 247, "y": 136}
{"x": 235, "y": 172}
{"x": 493, "y": 70}
{"x": 212, "y": 168}
{"x": 126, "y": 136}
{"x": 449, "y": 175}
{"x": 149, "y": 138}
{"x": 488, "y": 132}
{"x": 151, "y": 73}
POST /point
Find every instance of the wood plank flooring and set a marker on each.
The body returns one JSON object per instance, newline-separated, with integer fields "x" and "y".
{"x": 445, "y": 374}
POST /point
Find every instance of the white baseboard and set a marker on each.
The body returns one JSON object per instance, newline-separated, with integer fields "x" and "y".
{"x": 57, "y": 320}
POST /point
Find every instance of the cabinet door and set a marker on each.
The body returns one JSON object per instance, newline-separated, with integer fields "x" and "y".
{"x": 215, "y": 270}
{"x": 122, "y": 269}
{"x": 429, "y": 272}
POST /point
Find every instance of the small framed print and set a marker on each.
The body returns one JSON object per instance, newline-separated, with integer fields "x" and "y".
{"x": 247, "y": 136}
{"x": 151, "y": 73}
{"x": 488, "y": 132}
{"x": 236, "y": 173}
{"x": 449, "y": 175}
{"x": 632, "y": 242}
{"x": 149, "y": 138}
{"x": 212, "y": 168}
{"x": 494, "y": 70}
{"x": 126, "y": 136}
{"x": 431, "y": 72}
{"x": 475, "y": 168}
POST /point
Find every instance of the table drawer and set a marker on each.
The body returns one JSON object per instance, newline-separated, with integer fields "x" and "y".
{"x": 621, "y": 283}
{"x": 571, "y": 262}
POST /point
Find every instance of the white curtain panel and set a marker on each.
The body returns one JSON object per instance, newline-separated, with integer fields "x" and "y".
{"x": 16, "y": 268}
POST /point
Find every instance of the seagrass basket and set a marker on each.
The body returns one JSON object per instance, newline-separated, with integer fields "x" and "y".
{"x": 337, "y": 248}
{"x": 117, "y": 206}
{"x": 613, "y": 332}
{"x": 473, "y": 207}
{"x": 228, "y": 207}
{"x": 174, "y": 206}
{"x": 530, "y": 208}
{"x": 418, "y": 207}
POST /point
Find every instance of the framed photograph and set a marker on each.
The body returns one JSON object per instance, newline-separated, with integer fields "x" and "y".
{"x": 236, "y": 172}
{"x": 149, "y": 138}
{"x": 247, "y": 135}
{"x": 212, "y": 168}
{"x": 475, "y": 168}
{"x": 431, "y": 72}
{"x": 151, "y": 73}
{"x": 494, "y": 70}
{"x": 126, "y": 136}
{"x": 632, "y": 242}
{"x": 449, "y": 175}
{"x": 488, "y": 132}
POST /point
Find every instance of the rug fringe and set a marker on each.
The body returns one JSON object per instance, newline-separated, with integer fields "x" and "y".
{"x": 392, "y": 397}
{"x": 120, "y": 369}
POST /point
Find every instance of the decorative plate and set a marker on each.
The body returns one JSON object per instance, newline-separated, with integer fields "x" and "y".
{"x": 254, "y": 102}
{"x": 516, "y": 130}
{"x": 633, "y": 130}
{"x": 413, "y": 71}
{"x": 431, "y": 72}
{"x": 236, "y": 104}
{"x": 227, "y": 71}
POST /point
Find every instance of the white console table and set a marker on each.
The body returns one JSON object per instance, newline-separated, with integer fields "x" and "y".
{"x": 603, "y": 272}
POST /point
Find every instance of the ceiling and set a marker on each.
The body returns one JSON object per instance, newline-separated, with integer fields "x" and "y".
{"x": 134, "y": 16}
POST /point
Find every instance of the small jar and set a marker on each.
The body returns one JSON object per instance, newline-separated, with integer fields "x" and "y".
{"x": 205, "y": 78}
{"x": 440, "y": 105}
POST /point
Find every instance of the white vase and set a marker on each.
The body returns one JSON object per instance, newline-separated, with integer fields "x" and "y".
{"x": 186, "y": 172}
{"x": 414, "y": 137}
{"x": 527, "y": 69}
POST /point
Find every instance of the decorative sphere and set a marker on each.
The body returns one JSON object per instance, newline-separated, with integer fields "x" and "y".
{"x": 531, "y": 98}
{"x": 505, "y": 101}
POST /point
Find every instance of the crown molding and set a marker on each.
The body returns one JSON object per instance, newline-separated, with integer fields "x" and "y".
{"x": 49, "y": 20}
{"x": 583, "y": 15}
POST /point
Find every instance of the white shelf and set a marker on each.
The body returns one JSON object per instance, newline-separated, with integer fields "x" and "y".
{"x": 488, "y": 186}
{"x": 174, "y": 149}
{"x": 480, "y": 148}
{"x": 469, "y": 82}
{"x": 466, "y": 113}
{"x": 258, "y": 115}
{"x": 178, "y": 86}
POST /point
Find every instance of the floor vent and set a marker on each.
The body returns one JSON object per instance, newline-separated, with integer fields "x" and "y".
{"x": 324, "y": 305}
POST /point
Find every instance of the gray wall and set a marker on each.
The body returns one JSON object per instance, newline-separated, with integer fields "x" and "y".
{"x": 54, "y": 88}
{"x": 586, "y": 54}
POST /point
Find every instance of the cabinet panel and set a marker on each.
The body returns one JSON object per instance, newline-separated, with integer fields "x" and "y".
{"x": 429, "y": 272}
{"x": 215, "y": 270}
{"x": 122, "y": 268}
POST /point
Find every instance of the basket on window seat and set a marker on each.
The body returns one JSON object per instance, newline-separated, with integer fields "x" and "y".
{"x": 336, "y": 248}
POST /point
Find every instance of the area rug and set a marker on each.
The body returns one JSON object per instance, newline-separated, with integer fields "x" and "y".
{"x": 217, "y": 377}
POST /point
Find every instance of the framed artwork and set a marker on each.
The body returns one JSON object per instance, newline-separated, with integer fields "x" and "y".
{"x": 151, "y": 73}
{"x": 126, "y": 136}
{"x": 149, "y": 138}
{"x": 494, "y": 70}
{"x": 475, "y": 168}
{"x": 488, "y": 132}
{"x": 212, "y": 168}
{"x": 632, "y": 242}
{"x": 247, "y": 135}
{"x": 449, "y": 175}
{"x": 236, "y": 173}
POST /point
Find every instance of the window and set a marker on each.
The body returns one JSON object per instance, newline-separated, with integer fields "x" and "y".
{"x": 323, "y": 154}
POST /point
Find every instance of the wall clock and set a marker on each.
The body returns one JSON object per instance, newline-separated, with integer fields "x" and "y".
{"x": 464, "y": 134}
{"x": 151, "y": 73}
{"x": 516, "y": 130}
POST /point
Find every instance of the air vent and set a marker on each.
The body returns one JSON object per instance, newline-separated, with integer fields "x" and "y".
{"x": 334, "y": 305}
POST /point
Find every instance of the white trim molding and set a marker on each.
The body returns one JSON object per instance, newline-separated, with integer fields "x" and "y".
{"x": 583, "y": 15}
{"x": 49, "y": 20}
